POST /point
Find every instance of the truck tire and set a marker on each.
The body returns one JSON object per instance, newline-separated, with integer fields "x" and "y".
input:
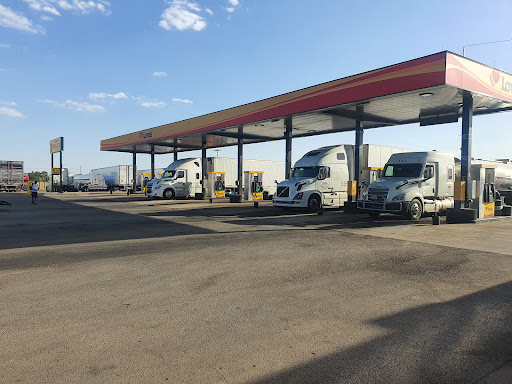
{"x": 415, "y": 210}
{"x": 314, "y": 203}
{"x": 169, "y": 194}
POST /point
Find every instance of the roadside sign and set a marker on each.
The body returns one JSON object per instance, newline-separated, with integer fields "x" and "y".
{"x": 57, "y": 145}
{"x": 55, "y": 171}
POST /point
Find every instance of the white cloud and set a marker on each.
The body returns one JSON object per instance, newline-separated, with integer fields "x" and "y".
{"x": 76, "y": 106}
{"x": 182, "y": 101}
{"x": 180, "y": 15}
{"x": 234, "y": 3}
{"x": 104, "y": 96}
{"x": 10, "y": 112}
{"x": 47, "y": 18}
{"x": 79, "y": 6}
{"x": 5, "y": 46}
{"x": 230, "y": 9}
{"x": 153, "y": 104}
{"x": 209, "y": 11}
{"x": 9, "y": 103}
{"x": 160, "y": 74}
{"x": 11, "y": 19}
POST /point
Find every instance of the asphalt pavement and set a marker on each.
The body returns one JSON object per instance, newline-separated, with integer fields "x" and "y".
{"x": 100, "y": 288}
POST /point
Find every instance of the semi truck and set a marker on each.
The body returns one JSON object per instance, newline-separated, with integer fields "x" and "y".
{"x": 182, "y": 178}
{"x": 11, "y": 176}
{"x": 117, "y": 176}
{"x": 320, "y": 178}
{"x": 412, "y": 184}
{"x": 418, "y": 183}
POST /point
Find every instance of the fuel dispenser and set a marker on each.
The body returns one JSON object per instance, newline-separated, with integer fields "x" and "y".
{"x": 485, "y": 199}
{"x": 253, "y": 186}
{"x": 216, "y": 185}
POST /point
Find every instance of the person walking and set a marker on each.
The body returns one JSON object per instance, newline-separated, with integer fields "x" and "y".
{"x": 34, "y": 187}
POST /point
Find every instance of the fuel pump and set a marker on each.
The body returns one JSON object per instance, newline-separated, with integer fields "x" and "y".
{"x": 216, "y": 185}
{"x": 253, "y": 186}
{"x": 482, "y": 191}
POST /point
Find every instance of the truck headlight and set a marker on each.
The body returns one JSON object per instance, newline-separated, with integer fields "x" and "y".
{"x": 298, "y": 196}
{"x": 399, "y": 197}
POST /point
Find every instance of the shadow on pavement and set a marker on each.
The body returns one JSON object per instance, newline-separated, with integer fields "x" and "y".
{"x": 55, "y": 222}
{"x": 458, "y": 341}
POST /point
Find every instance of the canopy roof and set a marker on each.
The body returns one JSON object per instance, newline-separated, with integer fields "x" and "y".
{"x": 427, "y": 90}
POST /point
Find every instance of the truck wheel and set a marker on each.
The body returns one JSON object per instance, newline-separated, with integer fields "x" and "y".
{"x": 374, "y": 214}
{"x": 314, "y": 203}
{"x": 169, "y": 194}
{"x": 415, "y": 210}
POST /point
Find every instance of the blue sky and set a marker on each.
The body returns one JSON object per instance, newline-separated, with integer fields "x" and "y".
{"x": 91, "y": 70}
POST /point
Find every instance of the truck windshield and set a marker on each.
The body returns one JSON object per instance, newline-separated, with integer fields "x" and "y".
{"x": 403, "y": 170}
{"x": 168, "y": 174}
{"x": 305, "y": 172}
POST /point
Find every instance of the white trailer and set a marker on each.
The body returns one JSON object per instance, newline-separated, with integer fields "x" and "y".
{"x": 182, "y": 178}
{"x": 320, "y": 177}
{"x": 89, "y": 182}
{"x": 117, "y": 176}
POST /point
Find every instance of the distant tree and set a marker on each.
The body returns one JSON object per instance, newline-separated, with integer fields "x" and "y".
{"x": 38, "y": 176}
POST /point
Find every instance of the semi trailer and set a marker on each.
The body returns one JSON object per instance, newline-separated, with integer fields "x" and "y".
{"x": 116, "y": 177}
{"x": 320, "y": 178}
{"x": 89, "y": 182}
{"x": 182, "y": 178}
{"x": 11, "y": 176}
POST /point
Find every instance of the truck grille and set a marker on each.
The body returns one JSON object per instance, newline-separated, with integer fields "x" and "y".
{"x": 377, "y": 194}
{"x": 283, "y": 191}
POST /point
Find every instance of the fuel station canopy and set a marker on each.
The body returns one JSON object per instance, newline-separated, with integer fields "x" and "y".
{"x": 428, "y": 90}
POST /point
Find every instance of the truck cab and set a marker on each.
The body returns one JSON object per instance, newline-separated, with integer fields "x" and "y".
{"x": 181, "y": 179}
{"x": 412, "y": 184}
{"x": 319, "y": 178}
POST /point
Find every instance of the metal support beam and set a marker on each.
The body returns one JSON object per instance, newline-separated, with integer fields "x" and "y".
{"x": 358, "y": 147}
{"x": 239, "y": 190}
{"x": 60, "y": 173}
{"x": 467, "y": 132}
{"x": 204, "y": 172}
{"x": 175, "y": 149}
{"x": 134, "y": 169}
{"x": 51, "y": 177}
{"x": 152, "y": 162}
{"x": 288, "y": 151}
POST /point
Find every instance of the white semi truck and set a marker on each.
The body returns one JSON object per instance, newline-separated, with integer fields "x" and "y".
{"x": 412, "y": 184}
{"x": 182, "y": 178}
{"x": 320, "y": 177}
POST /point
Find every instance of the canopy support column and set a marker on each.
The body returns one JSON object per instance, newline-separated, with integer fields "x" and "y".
{"x": 239, "y": 189}
{"x": 288, "y": 151}
{"x": 358, "y": 148}
{"x": 175, "y": 149}
{"x": 467, "y": 132}
{"x": 152, "y": 162}
{"x": 204, "y": 172}
{"x": 134, "y": 169}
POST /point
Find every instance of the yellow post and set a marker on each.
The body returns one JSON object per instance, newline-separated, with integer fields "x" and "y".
{"x": 459, "y": 192}
{"x": 352, "y": 190}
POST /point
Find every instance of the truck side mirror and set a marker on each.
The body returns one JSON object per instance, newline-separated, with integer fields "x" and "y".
{"x": 323, "y": 173}
{"x": 429, "y": 173}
